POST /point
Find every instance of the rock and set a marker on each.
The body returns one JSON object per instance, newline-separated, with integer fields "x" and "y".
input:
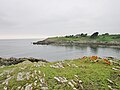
{"x": 22, "y": 88}
{"x": 39, "y": 64}
{"x": 72, "y": 85}
{"x": 73, "y": 82}
{"x": 74, "y": 65}
{"x": 39, "y": 72}
{"x": 28, "y": 87}
{"x": 13, "y": 61}
{"x": 7, "y": 81}
{"x": 2, "y": 66}
{"x": 75, "y": 88}
{"x": 23, "y": 68}
{"x": 5, "y": 88}
{"x": 57, "y": 65}
{"x": 76, "y": 76}
{"x": 80, "y": 81}
{"x": 20, "y": 76}
{"x": 56, "y": 78}
{"x": 44, "y": 88}
{"x": 19, "y": 88}
{"x": 42, "y": 80}
{"x": 81, "y": 86}
{"x": 68, "y": 64}
{"x": 35, "y": 72}
{"x": 1, "y": 74}
{"x": 61, "y": 79}
{"x": 32, "y": 75}
{"x": 110, "y": 81}
{"x": 115, "y": 69}
{"x": 76, "y": 84}
{"x": 28, "y": 75}
{"x": 110, "y": 87}
{"x": 35, "y": 83}
{"x": 36, "y": 77}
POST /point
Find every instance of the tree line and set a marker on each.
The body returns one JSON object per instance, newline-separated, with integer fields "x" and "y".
{"x": 92, "y": 36}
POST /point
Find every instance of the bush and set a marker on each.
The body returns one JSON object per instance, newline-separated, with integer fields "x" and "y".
{"x": 94, "y": 35}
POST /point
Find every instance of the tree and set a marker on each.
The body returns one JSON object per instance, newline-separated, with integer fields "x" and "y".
{"x": 81, "y": 35}
{"x": 106, "y": 34}
{"x": 94, "y": 35}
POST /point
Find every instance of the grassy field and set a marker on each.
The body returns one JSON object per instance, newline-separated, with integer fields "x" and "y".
{"x": 88, "y": 73}
{"x": 102, "y": 38}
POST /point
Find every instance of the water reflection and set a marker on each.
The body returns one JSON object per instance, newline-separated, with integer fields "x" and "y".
{"x": 94, "y": 49}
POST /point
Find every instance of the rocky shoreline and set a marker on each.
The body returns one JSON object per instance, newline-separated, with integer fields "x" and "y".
{"x": 13, "y": 61}
{"x": 75, "y": 43}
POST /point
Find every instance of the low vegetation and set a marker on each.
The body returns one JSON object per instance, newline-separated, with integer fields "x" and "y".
{"x": 95, "y": 36}
{"x": 78, "y": 39}
{"x": 87, "y": 73}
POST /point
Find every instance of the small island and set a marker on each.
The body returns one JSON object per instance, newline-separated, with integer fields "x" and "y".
{"x": 83, "y": 39}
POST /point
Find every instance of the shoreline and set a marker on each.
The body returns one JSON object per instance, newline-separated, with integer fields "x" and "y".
{"x": 60, "y": 42}
{"x": 14, "y": 61}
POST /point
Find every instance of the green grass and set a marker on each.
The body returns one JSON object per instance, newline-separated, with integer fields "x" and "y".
{"x": 93, "y": 75}
{"x": 100, "y": 38}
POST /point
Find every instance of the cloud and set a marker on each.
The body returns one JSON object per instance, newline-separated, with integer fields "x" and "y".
{"x": 58, "y": 17}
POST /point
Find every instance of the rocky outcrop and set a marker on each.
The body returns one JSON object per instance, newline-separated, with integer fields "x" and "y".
{"x": 13, "y": 61}
{"x": 53, "y": 41}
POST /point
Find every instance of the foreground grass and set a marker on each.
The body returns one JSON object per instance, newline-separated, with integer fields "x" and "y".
{"x": 94, "y": 75}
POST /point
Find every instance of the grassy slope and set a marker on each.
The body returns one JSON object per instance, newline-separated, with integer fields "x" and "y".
{"x": 93, "y": 75}
{"x": 100, "y": 38}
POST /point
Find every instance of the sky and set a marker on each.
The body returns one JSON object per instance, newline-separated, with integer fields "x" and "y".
{"x": 44, "y": 18}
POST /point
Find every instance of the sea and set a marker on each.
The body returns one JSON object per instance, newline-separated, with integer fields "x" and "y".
{"x": 24, "y": 48}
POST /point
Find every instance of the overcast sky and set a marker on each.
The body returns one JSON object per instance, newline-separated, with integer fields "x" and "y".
{"x": 42, "y": 18}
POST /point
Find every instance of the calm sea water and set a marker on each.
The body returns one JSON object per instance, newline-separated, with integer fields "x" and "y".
{"x": 25, "y": 48}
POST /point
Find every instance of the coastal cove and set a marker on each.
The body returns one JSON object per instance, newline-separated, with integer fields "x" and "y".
{"x": 24, "y": 48}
